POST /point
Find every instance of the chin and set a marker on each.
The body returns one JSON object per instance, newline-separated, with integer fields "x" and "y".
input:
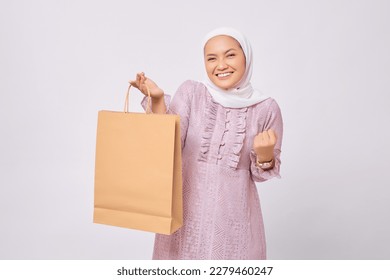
{"x": 224, "y": 86}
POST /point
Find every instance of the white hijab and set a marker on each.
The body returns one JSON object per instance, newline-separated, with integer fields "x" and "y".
{"x": 243, "y": 95}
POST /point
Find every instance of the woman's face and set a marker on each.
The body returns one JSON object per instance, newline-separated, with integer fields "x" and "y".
{"x": 224, "y": 61}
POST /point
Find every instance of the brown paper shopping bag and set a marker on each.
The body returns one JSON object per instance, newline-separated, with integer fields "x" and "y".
{"x": 138, "y": 181}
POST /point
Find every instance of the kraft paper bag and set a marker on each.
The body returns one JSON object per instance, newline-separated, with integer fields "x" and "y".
{"x": 138, "y": 177}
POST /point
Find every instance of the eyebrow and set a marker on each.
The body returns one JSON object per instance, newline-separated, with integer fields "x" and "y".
{"x": 232, "y": 49}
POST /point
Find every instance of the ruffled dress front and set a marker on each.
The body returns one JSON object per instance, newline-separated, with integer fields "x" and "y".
{"x": 221, "y": 206}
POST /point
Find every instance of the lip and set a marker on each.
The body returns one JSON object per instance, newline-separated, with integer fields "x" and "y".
{"x": 230, "y": 73}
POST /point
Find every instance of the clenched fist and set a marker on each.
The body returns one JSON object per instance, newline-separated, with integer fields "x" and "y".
{"x": 264, "y": 144}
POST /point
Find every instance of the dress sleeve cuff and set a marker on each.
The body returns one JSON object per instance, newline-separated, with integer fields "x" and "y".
{"x": 260, "y": 175}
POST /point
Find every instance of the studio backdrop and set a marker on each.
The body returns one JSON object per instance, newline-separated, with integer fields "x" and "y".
{"x": 326, "y": 63}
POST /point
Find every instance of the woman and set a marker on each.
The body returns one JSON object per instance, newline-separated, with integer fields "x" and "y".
{"x": 231, "y": 137}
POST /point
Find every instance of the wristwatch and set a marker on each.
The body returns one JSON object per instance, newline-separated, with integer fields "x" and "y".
{"x": 265, "y": 165}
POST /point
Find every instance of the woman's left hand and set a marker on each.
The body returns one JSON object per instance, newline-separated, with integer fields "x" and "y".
{"x": 264, "y": 144}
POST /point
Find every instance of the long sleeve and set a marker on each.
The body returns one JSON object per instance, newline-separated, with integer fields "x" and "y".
{"x": 179, "y": 105}
{"x": 273, "y": 121}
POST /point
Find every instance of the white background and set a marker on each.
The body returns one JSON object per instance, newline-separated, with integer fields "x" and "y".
{"x": 327, "y": 63}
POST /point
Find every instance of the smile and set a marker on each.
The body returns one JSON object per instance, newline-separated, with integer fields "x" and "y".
{"x": 222, "y": 75}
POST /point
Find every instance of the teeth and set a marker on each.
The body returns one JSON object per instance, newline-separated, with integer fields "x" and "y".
{"x": 223, "y": 74}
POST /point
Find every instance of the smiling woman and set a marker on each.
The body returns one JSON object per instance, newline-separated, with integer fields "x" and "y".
{"x": 224, "y": 61}
{"x": 231, "y": 137}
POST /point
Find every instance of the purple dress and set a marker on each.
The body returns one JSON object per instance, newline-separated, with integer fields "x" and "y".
{"x": 222, "y": 215}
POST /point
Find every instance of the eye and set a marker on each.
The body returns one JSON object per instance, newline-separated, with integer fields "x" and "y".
{"x": 211, "y": 59}
{"x": 231, "y": 55}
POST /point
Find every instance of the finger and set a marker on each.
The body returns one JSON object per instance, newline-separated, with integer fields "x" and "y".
{"x": 138, "y": 79}
{"x": 142, "y": 78}
{"x": 265, "y": 136}
{"x": 272, "y": 136}
{"x": 142, "y": 81}
{"x": 260, "y": 137}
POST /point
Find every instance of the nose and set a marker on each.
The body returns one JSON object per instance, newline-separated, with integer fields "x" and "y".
{"x": 221, "y": 64}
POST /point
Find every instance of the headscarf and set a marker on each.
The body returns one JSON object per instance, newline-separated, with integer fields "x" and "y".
{"x": 243, "y": 95}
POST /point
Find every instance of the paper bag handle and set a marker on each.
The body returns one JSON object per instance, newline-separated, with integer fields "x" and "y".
{"x": 148, "y": 107}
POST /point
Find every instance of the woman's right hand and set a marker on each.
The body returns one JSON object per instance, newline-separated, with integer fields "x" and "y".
{"x": 141, "y": 82}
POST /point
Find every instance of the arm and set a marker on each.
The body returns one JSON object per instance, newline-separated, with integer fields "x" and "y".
{"x": 180, "y": 105}
{"x": 267, "y": 146}
{"x": 157, "y": 94}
